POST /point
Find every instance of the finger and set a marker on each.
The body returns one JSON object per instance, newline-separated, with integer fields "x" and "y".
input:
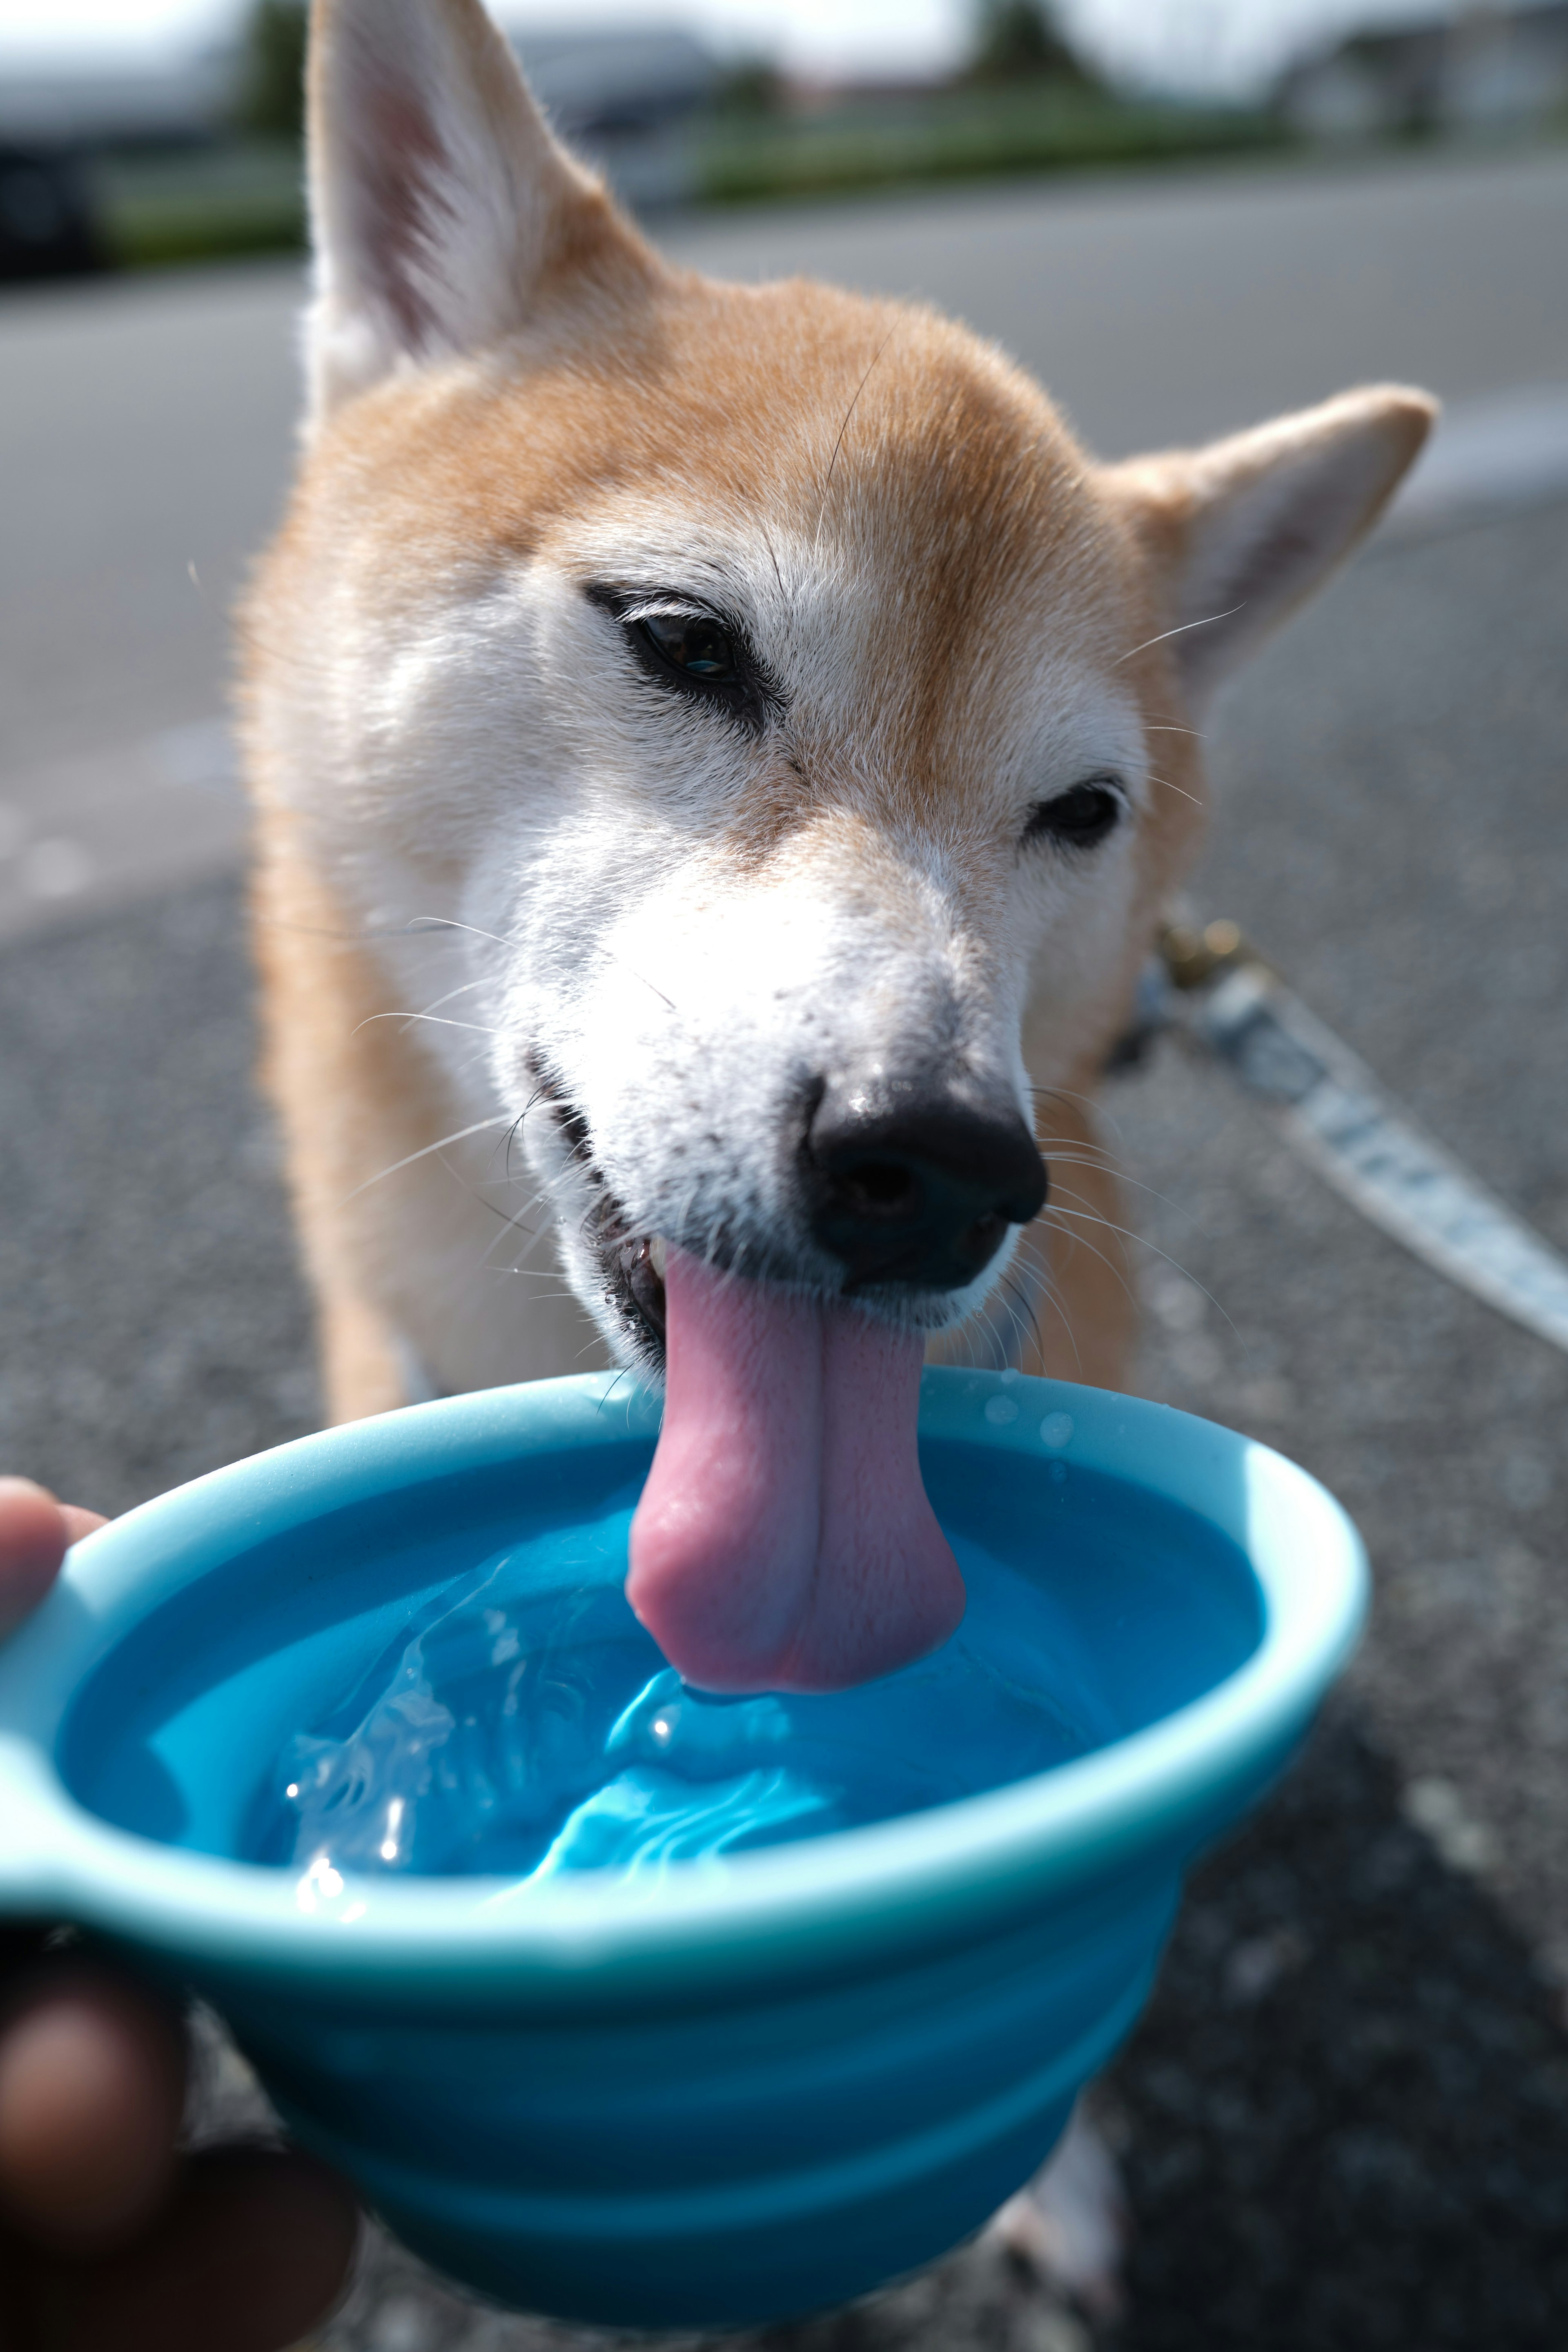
{"x": 254, "y": 2248}
{"x": 79, "y": 1523}
{"x": 92, "y": 2078}
{"x": 33, "y": 1540}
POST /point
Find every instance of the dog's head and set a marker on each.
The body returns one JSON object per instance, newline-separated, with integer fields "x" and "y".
{"x": 802, "y": 718}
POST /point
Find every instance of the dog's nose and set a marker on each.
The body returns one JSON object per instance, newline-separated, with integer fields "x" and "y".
{"x": 917, "y": 1183}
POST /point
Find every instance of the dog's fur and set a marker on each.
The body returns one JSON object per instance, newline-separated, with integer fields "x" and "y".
{"x": 639, "y": 920}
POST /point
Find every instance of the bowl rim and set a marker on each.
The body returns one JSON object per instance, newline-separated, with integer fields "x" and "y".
{"x": 1143, "y": 1802}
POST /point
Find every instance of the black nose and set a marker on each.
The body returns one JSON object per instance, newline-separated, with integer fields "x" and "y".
{"x": 918, "y": 1183}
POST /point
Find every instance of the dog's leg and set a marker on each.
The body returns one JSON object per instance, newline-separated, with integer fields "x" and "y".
{"x": 363, "y": 1368}
{"x": 315, "y": 993}
{"x": 1070, "y": 2222}
{"x": 397, "y": 1243}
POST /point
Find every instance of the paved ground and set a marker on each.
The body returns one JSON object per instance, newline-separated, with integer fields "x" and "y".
{"x": 1346, "y": 2122}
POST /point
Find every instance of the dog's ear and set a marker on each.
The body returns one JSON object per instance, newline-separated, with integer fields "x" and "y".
{"x": 1241, "y": 532}
{"x": 442, "y": 210}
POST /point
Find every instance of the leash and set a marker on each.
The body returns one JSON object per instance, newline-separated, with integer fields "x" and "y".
{"x": 1214, "y": 989}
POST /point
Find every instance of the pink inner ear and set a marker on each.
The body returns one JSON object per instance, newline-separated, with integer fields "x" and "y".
{"x": 400, "y": 162}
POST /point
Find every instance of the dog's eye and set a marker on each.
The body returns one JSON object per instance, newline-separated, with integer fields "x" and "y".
{"x": 693, "y": 644}
{"x": 699, "y": 656}
{"x": 1078, "y": 818}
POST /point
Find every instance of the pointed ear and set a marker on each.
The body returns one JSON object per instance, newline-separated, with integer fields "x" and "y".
{"x": 1241, "y": 532}
{"x": 440, "y": 204}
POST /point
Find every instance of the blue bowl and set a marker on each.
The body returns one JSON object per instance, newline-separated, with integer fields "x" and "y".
{"x": 725, "y": 2092}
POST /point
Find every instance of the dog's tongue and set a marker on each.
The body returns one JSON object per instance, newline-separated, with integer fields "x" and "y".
{"x": 783, "y": 1540}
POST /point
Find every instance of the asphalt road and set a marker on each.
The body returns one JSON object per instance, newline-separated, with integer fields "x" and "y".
{"x": 1344, "y": 2124}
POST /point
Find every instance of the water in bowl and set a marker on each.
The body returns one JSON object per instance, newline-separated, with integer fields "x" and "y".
{"x": 522, "y": 1734}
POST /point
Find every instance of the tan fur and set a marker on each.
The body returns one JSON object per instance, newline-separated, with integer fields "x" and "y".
{"x": 1083, "y": 1323}
{"x": 357, "y": 1095}
{"x": 925, "y": 462}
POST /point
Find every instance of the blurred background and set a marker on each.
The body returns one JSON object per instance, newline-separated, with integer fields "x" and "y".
{"x": 138, "y": 134}
{"x": 1344, "y": 2125}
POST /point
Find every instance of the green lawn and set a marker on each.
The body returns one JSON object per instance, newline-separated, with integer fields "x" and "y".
{"x": 203, "y": 206}
{"x": 962, "y": 135}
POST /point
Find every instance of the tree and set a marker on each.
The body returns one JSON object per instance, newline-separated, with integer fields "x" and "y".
{"x": 752, "y": 86}
{"x": 1019, "y": 39}
{"x": 272, "y": 83}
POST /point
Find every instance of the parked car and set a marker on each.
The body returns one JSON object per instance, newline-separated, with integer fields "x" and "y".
{"x": 48, "y": 223}
{"x": 56, "y": 122}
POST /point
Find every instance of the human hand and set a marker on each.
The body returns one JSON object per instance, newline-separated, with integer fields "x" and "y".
{"x": 108, "y": 2236}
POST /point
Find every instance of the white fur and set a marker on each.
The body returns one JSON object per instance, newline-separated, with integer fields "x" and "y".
{"x": 489, "y": 758}
{"x": 541, "y": 794}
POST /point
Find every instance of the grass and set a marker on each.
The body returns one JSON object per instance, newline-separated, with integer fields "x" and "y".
{"x": 208, "y": 204}
{"x": 962, "y": 135}
{"x": 159, "y": 234}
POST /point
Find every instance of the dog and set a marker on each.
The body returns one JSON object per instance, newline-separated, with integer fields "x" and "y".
{"x": 722, "y": 752}
{"x": 720, "y": 758}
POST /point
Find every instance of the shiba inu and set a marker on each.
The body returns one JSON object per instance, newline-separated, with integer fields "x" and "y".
{"x": 721, "y": 756}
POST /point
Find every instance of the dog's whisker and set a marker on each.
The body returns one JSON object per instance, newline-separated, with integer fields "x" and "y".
{"x": 508, "y": 1224}
{"x": 827, "y": 482}
{"x": 460, "y": 1135}
{"x": 508, "y": 1140}
{"x": 1170, "y": 787}
{"x": 1053, "y": 1298}
{"x": 622, "y": 1373}
{"x": 416, "y": 924}
{"x": 1065, "y": 1192}
{"x": 1100, "y": 1167}
{"x": 436, "y": 1020}
{"x": 1076, "y": 1240}
{"x": 1024, "y": 1315}
{"x": 1046, "y": 1290}
{"x": 1091, "y": 1103}
{"x": 1141, "y": 1241}
{"x": 451, "y": 996}
{"x": 785, "y": 596}
{"x": 635, "y": 974}
{"x": 537, "y": 1234}
{"x": 1166, "y": 635}
{"x": 1069, "y": 1150}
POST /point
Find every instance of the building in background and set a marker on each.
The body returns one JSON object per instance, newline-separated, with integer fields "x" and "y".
{"x": 1497, "y": 66}
{"x": 633, "y": 100}
{"x": 54, "y": 124}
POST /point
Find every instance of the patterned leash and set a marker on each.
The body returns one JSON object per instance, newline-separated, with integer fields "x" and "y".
{"x": 1213, "y": 987}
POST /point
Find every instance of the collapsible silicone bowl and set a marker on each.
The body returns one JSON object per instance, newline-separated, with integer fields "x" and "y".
{"x": 727, "y": 2093}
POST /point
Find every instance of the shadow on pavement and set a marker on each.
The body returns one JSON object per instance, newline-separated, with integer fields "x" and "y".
{"x": 1346, "y": 2114}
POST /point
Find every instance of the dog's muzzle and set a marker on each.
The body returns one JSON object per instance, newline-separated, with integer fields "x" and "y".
{"x": 913, "y": 1185}
{"x": 907, "y": 1184}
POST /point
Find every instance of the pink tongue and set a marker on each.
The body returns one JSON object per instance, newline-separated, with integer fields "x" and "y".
{"x": 783, "y": 1540}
